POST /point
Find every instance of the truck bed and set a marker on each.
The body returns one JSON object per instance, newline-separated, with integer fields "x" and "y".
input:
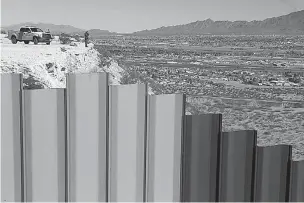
{"x": 11, "y": 32}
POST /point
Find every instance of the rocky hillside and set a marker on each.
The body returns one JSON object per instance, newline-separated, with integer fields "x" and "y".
{"x": 292, "y": 23}
{"x": 45, "y": 66}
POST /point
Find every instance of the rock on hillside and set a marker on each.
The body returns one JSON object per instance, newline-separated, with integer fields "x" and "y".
{"x": 45, "y": 66}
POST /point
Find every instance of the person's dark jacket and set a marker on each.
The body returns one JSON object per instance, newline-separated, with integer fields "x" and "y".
{"x": 86, "y": 35}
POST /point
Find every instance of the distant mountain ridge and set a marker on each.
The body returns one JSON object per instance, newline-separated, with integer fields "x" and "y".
{"x": 53, "y": 28}
{"x": 97, "y": 33}
{"x": 292, "y": 23}
{"x": 58, "y": 29}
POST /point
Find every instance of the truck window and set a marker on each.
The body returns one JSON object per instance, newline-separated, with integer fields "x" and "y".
{"x": 22, "y": 29}
{"x": 27, "y": 30}
{"x": 36, "y": 30}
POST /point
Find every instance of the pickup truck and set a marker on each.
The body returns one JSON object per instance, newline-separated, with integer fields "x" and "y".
{"x": 29, "y": 34}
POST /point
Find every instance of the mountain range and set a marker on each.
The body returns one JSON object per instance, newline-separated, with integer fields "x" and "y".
{"x": 290, "y": 24}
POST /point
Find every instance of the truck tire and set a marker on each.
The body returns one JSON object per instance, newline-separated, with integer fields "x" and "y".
{"x": 14, "y": 40}
{"x": 26, "y": 42}
{"x": 35, "y": 39}
{"x": 48, "y": 43}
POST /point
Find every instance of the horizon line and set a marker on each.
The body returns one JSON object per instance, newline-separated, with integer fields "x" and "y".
{"x": 144, "y": 29}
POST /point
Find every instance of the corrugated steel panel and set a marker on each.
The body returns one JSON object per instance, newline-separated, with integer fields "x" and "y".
{"x": 127, "y": 132}
{"x": 201, "y": 144}
{"x": 87, "y": 106}
{"x": 297, "y": 181}
{"x": 11, "y": 140}
{"x": 45, "y": 145}
{"x": 164, "y": 140}
{"x": 272, "y": 166}
{"x": 237, "y": 166}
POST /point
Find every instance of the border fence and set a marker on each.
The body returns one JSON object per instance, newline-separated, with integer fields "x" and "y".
{"x": 95, "y": 142}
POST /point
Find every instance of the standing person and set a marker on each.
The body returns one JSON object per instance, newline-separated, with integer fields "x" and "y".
{"x": 86, "y": 38}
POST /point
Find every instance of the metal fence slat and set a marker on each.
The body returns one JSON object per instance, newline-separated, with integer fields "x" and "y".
{"x": 272, "y": 165}
{"x": 164, "y": 152}
{"x": 297, "y": 181}
{"x": 87, "y": 116}
{"x": 11, "y": 138}
{"x": 45, "y": 145}
{"x": 201, "y": 143}
{"x": 237, "y": 166}
{"x": 127, "y": 135}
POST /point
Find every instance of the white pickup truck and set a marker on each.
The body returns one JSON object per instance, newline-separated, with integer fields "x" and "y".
{"x": 29, "y": 34}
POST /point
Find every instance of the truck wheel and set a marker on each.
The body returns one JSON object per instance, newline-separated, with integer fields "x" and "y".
{"x": 14, "y": 40}
{"x": 26, "y": 42}
{"x": 48, "y": 43}
{"x": 35, "y": 40}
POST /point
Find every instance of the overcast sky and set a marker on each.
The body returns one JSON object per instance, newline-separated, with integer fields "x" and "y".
{"x": 135, "y": 15}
